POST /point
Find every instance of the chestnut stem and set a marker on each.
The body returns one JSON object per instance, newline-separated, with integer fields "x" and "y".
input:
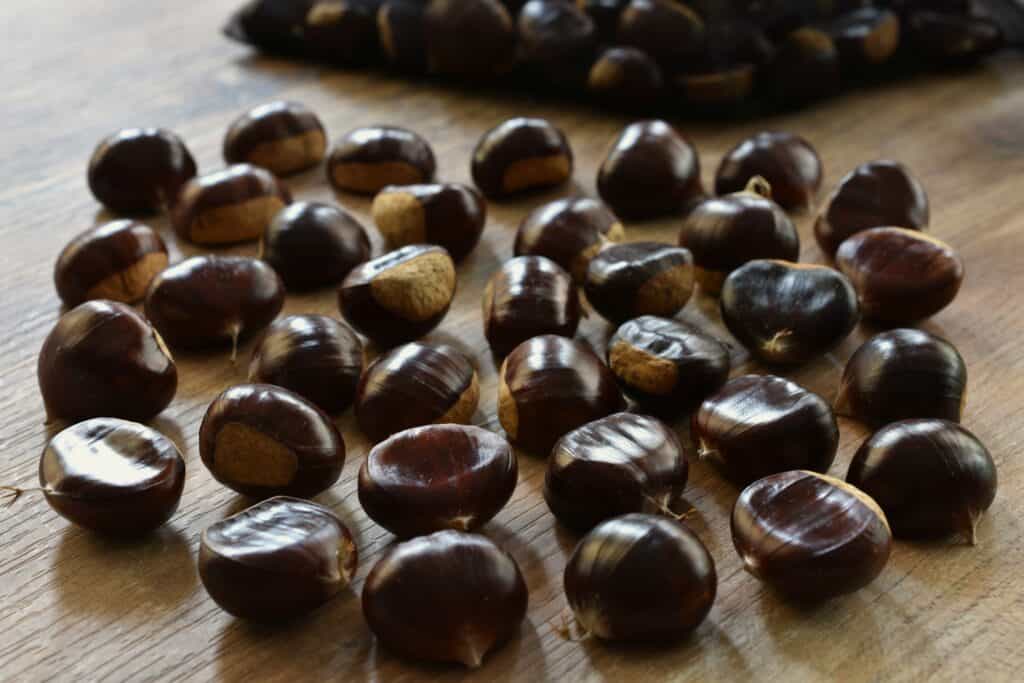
{"x": 15, "y": 493}
{"x": 235, "y": 331}
{"x": 669, "y": 512}
{"x": 758, "y": 186}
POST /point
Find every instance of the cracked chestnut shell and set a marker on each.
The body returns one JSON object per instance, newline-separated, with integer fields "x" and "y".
{"x": 639, "y": 278}
{"x": 626, "y": 78}
{"x": 568, "y": 231}
{"x": 788, "y": 313}
{"x": 104, "y": 359}
{"x": 521, "y": 155}
{"x": 366, "y": 160}
{"x": 932, "y": 478}
{"x": 451, "y": 215}
{"x": 282, "y": 137}
{"x": 640, "y": 578}
{"x": 446, "y": 597}
{"x": 471, "y": 40}
{"x": 276, "y": 560}
{"x": 789, "y": 164}
{"x": 262, "y": 440}
{"x": 140, "y": 170}
{"x": 233, "y": 205}
{"x": 757, "y": 425}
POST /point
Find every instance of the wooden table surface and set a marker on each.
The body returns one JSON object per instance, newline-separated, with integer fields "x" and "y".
{"x": 76, "y": 607}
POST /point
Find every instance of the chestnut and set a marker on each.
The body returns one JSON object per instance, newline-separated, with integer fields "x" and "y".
{"x": 104, "y": 359}
{"x": 931, "y": 477}
{"x": 605, "y": 14}
{"x": 275, "y": 26}
{"x": 312, "y": 245}
{"x": 903, "y": 374}
{"x": 788, "y": 313}
{"x": 788, "y": 163}
{"x": 809, "y": 536}
{"x": 625, "y": 77}
{"x": 650, "y": 171}
{"x": 276, "y": 560}
{"x": 140, "y": 170}
{"x": 557, "y": 40}
{"x": 949, "y": 39}
{"x": 639, "y": 278}
{"x": 667, "y": 366}
{"x": 875, "y": 194}
{"x": 210, "y": 301}
{"x": 866, "y": 37}
{"x": 233, "y": 205}
{"x": 317, "y": 357}
{"x": 262, "y": 440}
{"x": 469, "y": 39}
{"x": 436, "y": 477}
{"x": 568, "y": 231}
{"x": 723, "y": 233}
{"x": 718, "y": 90}
{"x": 527, "y": 297}
{"x": 805, "y": 66}
{"x": 400, "y": 296}
{"x": 550, "y": 385}
{"x": 113, "y": 261}
{"x": 367, "y": 159}
{"x": 900, "y": 275}
{"x": 668, "y": 31}
{"x": 282, "y": 137}
{"x": 446, "y": 597}
{"x": 341, "y": 32}
{"x": 401, "y": 25}
{"x": 640, "y": 578}
{"x": 520, "y": 155}
{"x": 413, "y": 385}
{"x": 450, "y": 215}
{"x": 613, "y": 466}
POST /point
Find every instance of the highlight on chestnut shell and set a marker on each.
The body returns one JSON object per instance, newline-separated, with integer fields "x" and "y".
{"x": 627, "y": 280}
{"x": 140, "y": 170}
{"x": 788, "y": 162}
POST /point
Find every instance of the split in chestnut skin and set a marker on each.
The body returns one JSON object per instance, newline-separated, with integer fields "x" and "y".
{"x": 789, "y": 164}
{"x": 569, "y": 231}
{"x": 140, "y": 171}
{"x": 639, "y": 278}
{"x": 366, "y": 160}
{"x": 282, "y": 137}
{"x": 521, "y": 155}
{"x": 451, "y": 215}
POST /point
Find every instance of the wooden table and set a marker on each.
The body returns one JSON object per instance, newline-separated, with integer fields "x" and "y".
{"x": 76, "y": 607}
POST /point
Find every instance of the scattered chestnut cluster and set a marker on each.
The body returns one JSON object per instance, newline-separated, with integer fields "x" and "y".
{"x": 444, "y": 592}
{"x": 646, "y": 55}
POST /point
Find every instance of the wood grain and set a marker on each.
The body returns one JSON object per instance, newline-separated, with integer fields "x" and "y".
{"x": 75, "y": 607}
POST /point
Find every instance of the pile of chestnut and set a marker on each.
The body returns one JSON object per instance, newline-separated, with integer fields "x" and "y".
{"x": 614, "y": 476}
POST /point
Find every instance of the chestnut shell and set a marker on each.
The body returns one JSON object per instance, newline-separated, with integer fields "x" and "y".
{"x": 282, "y": 137}
{"x": 450, "y": 215}
{"x": 569, "y": 231}
{"x": 788, "y": 162}
{"x": 140, "y": 170}
{"x": 365, "y": 160}
{"x": 639, "y": 278}
{"x": 521, "y": 155}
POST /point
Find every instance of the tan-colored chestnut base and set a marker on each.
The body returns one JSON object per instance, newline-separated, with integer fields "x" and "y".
{"x": 881, "y": 43}
{"x": 536, "y": 172}
{"x": 236, "y": 222}
{"x": 718, "y": 88}
{"x": 131, "y": 283}
{"x": 616, "y": 233}
{"x": 417, "y": 289}
{"x": 400, "y": 218}
{"x": 247, "y": 456}
{"x": 665, "y": 293}
{"x": 639, "y": 369}
{"x": 367, "y": 178}
{"x": 853, "y": 491}
{"x": 464, "y": 407}
{"x": 605, "y": 75}
{"x": 290, "y": 155}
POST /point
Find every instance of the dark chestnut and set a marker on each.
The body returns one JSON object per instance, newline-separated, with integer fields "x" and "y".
{"x": 805, "y": 66}
{"x": 276, "y": 560}
{"x": 233, "y": 205}
{"x": 402, "y": 27}
{"x": 140, "y": 170}
{"x": 875, "y": 194}
{"x": 520, "y": 155}
{"x": 865, "y": 37}
{"x": 717, "y": 90}
{"x": 400, "y": 296}
{"x": 366, "y": 160}
{"x": 342, "y": 32}
{"x": 413, "y": 385}
{"x": 569, "y": 232}
{"x": 313, "y": 245}
{"x": 605, "y": 14}
{"x": 639, "y": 278}
{"x": 952, "y": 39}
{"x": 263, "y": 440}
{"x": 625, "y": 77}
{"x": 446, "y": 597}
{"x": 903, "y": 374}
{"x": 104, "y": 359}
{"x": 272, "y": 25}
{"x": 469, "y": 39}
{"x": 650, "y": 171}
{"x": 550, "y": 385}
{"x": 450, "y": 215}
{"x": 557, "y": 40}
{"x": 786, "y": 312}
{"x": 640, "y": 578}
{"x": 113, "y": 261}
{"x": 282, "y": 137}
{"x": 931, "y": 477}
{"x": 669, "y": 31}
{"x": 788, "y": 162}
{"x": 809, "y": 536}
{"x": 317, "y": 357}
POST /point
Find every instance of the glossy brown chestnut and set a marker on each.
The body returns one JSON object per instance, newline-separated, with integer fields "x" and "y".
{"x": 875, "y": 194}
{"x": 276, "y": 560}
{"x": 550, "y": 385}
{"x": 140, "y": 170}
{"x": 282, "y": 137}
{"x": 317, "y": 357}
{"x": 723, "y": 233}
{"x": 639, "y": 278}
{"x": 809, "y": 536}
{"x": 788, "y": 162}
{"x": 263, "y": 440}
{"x": 113, "y": 261}
{"x": 366, "y": 160}
{"x": 437, "y": 477}
{"x": 900, "y": 275}
{"x": 313, "y": 245}
{"x": 469, "y": 39}
{"x": 208, "y": 301}
{"x": 757, "y": 425}
{"x": 233, "y": 205}
{"x": 953, "y": 39}
{"x": 667, "y": 366}
{"x": 903, "y": 374}
{"x": 640, "y": 578}
{"x": 613, "y": 466}
{"x": 340, "y": 32}
{"x": 521, "y": 155}
{"x": 931, "y": 477}
{"x": 104, "y": 359}
{"x": 402, "y": 27}
{"x": 446, "y": 597}
{"x": 400, "y": 296}
{"x": 450, "y": 215}
{"x": 625, "y": 77}
{"x": 787, "y": 313}
{"x": 650, "y": 171}
{"x": 557, "y": 40}
{"x": 865, "y": 37}
{"x": 414, "y": 385}
{"x": 569, "y": 232}
{"x": 670, "y": 32}
{"x": 805, "y": 66}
